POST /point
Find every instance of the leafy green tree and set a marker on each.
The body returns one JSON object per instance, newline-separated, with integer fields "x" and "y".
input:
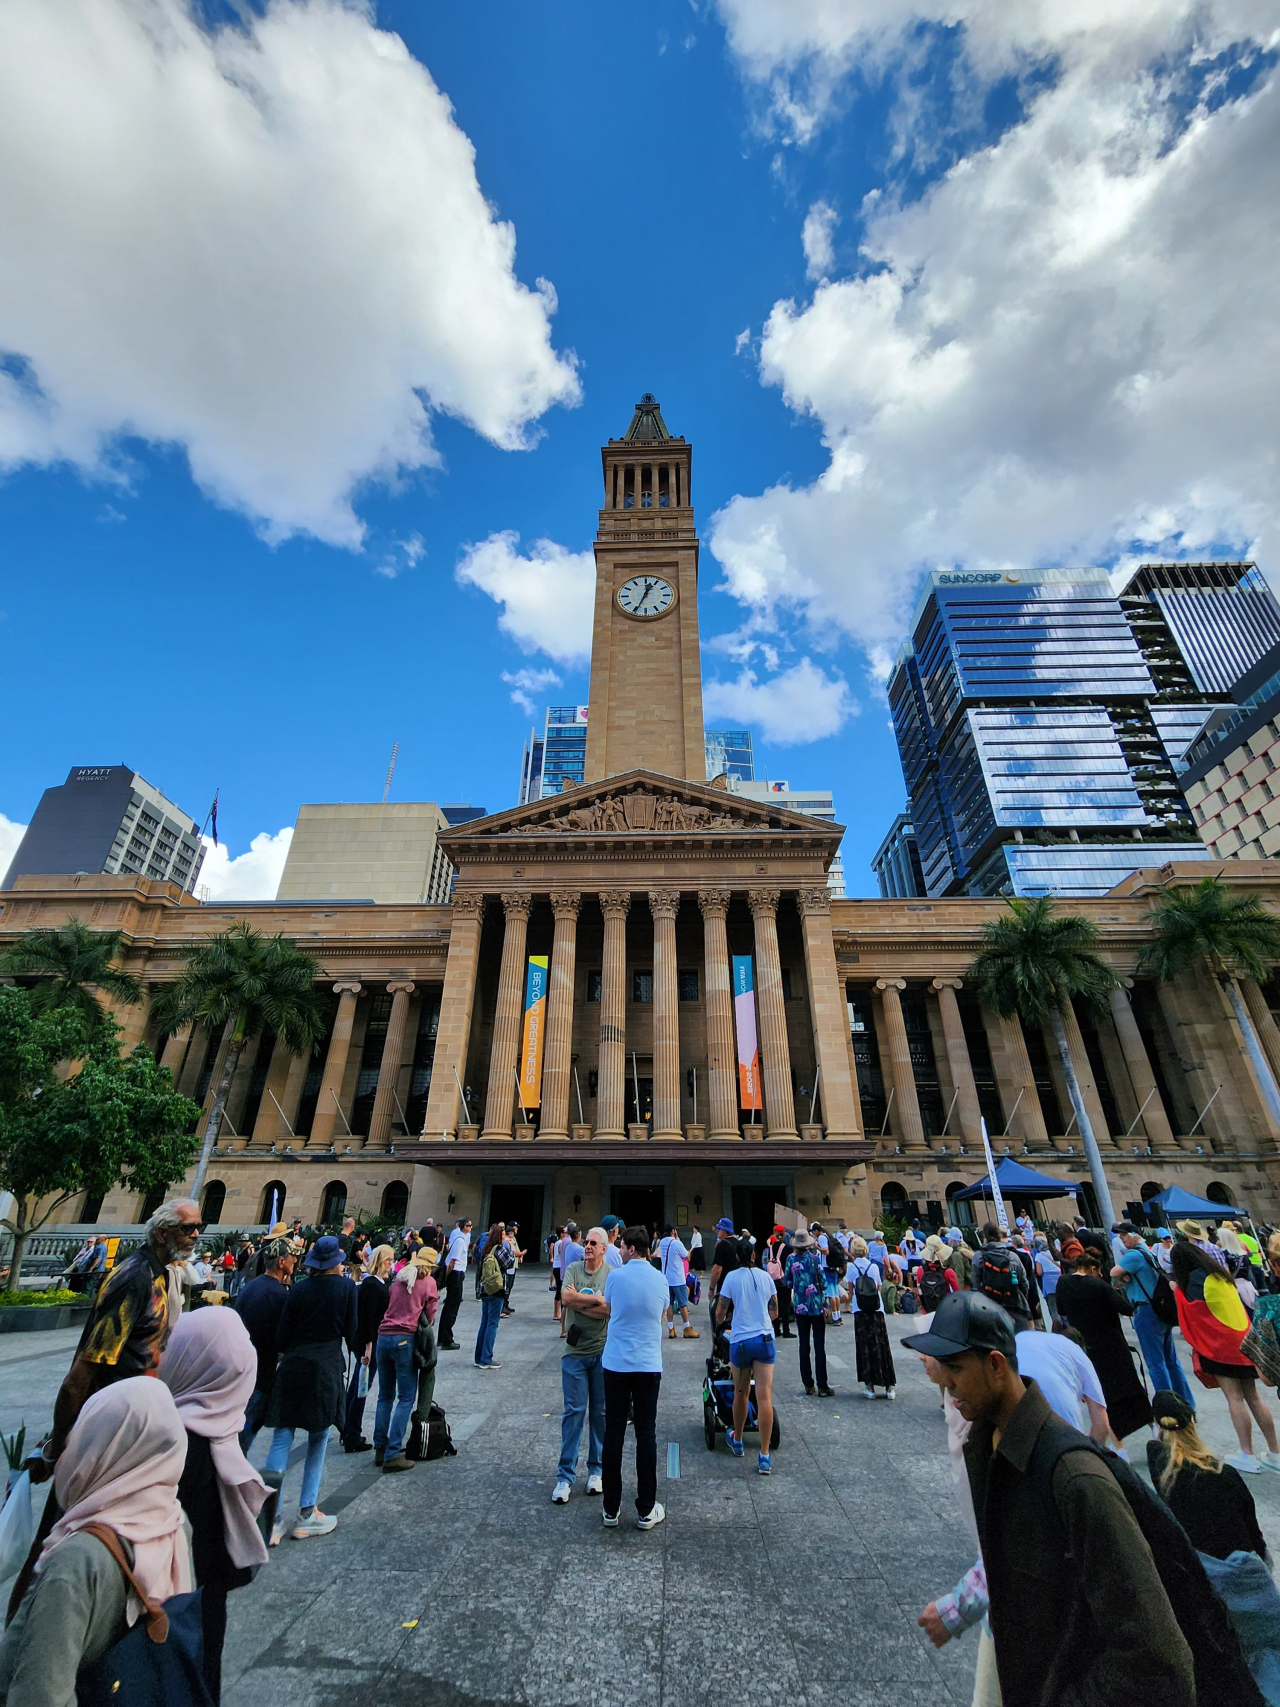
{"x": 73, "y": 965}
{"x": 113, "y": 1121}
{"x": 1235, "y": 936}
{"x": 252, "y": 984}
{"x": 1033, "y": 963}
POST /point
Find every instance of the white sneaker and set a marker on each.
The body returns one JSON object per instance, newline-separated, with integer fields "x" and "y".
{"x": 868, "y": 1392}
{"x": 891, "y": 1392}
{"x": 595, "y": 1484}
{"x": 561, "y": 1494}
{"x": 652, "y": 1519}
{"x": 316, "y": 1524}
{"x": 1245, "y": 1462}
{"x": 277, "y": 1533}
{"x": 1269, "y": 1460}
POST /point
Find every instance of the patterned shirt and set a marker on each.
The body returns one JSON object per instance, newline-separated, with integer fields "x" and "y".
{"x": 807, "y": 1281}
{"x": 129, "y": 1326}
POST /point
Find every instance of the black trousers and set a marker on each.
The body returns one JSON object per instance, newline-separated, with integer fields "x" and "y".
{"x": 786, "y": 1315}
{"x": 817, "y": 1326}
{"x": 639, "y": 1393}
{"x": 353, "y": 1418}
{"x": 453, "y": 1284}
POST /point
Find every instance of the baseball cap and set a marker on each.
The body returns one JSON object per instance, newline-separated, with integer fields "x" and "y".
{"x": 966, "y": 1321}
{"x": 609, "y": 1222}
{"x": 1123, "y": 1227}
{"x": 724, "y": 1225}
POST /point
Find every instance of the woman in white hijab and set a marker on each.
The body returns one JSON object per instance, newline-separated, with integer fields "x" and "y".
{"x": 210, "y": 1367}
{"x": 120, "y": 1468}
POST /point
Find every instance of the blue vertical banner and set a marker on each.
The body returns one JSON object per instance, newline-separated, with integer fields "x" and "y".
{"x": 744, "y": 1014}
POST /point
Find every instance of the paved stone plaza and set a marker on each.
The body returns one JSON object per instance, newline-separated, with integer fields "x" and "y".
{"x": 461, "y": 1584}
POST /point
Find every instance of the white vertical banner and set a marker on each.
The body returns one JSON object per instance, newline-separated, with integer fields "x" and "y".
{"x": 1001, "y": 1213}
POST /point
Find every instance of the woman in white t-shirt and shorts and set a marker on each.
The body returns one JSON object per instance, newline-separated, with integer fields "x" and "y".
{"x": 752, "y": 1308}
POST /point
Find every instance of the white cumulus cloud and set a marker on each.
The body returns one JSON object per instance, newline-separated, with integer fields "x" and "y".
{"x": 10, "y": 835}
{"x": 1066, "y": 350}
{"x": 546, "y": 595}
{"x": 264, "y": 243}
{"x": 801, "y": 704}
{"x": 251, "y": 876}
{"x": 527, "y": 686}
{"x": 819, "y": 251}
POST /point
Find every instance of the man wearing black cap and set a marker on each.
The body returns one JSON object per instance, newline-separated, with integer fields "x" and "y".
{"x": 1078, "y": 1610}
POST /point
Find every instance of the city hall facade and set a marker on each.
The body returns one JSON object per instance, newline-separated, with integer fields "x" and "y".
{"x": 718, "y": 1033}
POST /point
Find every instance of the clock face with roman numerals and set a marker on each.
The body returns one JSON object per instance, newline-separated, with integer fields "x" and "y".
{"x": 646, "y": 595}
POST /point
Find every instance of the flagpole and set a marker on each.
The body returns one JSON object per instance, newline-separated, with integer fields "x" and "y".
{"x": 1001, "y": 1214}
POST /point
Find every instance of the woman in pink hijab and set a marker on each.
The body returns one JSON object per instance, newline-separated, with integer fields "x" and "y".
{"x": 120, "y": 1468}
{"x": 210, "y": 1367}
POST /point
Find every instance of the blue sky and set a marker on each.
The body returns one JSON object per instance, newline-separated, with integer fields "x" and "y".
{"x": 901, "y": 324}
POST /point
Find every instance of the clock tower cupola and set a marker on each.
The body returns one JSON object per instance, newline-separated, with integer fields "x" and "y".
{"x": 646, "y": 665}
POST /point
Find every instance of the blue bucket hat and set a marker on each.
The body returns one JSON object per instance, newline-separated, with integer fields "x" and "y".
{"x": 325, "y": 1253}
{"x": 724, "y": 1225}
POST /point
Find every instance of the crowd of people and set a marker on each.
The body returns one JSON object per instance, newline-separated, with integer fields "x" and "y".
{"x": 1088, "y": 1586}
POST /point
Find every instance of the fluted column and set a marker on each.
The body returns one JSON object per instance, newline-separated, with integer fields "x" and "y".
{"x": 611, "y": 1064}
{"x": 190, "y": 1075}
{"x": 1263, "y": 1022}
{"x": 967, "y": 1109}
{"x": 1154, "y": 1121}
{"x": 1084, "y": 1073}
{"x": 268, "y": 1126}
{"x": 389, "y": 1068}
{"x": 557, "y": 1057}
{"x": 829, "y": 1008}
{"x": 664, "y": 904}
{"x": 775, "y": 1054}
{"x": 722, "y": 1063}
{"x": 905, "y": 1114}
{"x": 174, "y": 1051}
{"x": 1014, "y": 1079}
{"x": 335, "y": 1066}
{"x": 505, "y": 1049}
{"x": 453, "y": 1034}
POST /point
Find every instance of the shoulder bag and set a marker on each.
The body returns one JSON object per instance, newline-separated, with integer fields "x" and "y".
{"x": 160, "y": 1663}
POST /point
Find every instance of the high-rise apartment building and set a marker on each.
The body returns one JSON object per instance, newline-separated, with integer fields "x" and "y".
{"x": 379, "y": 851}
{"x": 106, "y": 818}
{"x": 814, "y": 802}
{"x": 1231, "y": 771}
{"x": 1039, "y": 718}
{"x": 729, "y": 753}
{"x": 896, "y": 861}
{"x": 555, "y": 760}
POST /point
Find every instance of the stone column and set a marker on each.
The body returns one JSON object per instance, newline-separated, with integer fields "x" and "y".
{"x": 664, "y": 904}
{"x": 1155, "y": 1122}
{"x": 905, "y": 1113}
{"x": 967, "y": 1111}
{"x": 722, "y": 1062}
{"x": 611, "y": 1064}
{"x": 268, "y": 1126}
{"x": 131, "y": 1017}
{"x": 457, "y": 999}
{"x": 384, "y": 1106}
{"x": 775, "y": 1056}
{"x": 504, "y": 1052}
{"x": 175, "y": 1050}
{"x": 829, "y": 1011}
{"x": 1084, "y": 1072}
{"x": 195, "y": 1057}
{"x": 1263, "y": 1022}
{"x": 1023, "y": 1115}
{"x": 558, "y": 1052}
{"x": 335, "y": 1067}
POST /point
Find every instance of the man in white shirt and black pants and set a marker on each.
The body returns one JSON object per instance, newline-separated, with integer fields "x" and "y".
{"x": 749, "y": 1299}
{"x": 454, "y": 1280}
{"x": 635, "y": 1298}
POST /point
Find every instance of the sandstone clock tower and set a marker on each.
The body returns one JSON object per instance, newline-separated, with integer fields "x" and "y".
{"x": 646, "y": 665}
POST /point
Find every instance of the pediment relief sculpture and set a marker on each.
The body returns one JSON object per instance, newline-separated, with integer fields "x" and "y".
{"x": 637, "y": 812}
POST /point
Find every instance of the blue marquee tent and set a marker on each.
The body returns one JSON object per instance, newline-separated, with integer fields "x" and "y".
{"x": 1016, "y": 1181}
{"x": 1175, "y": 1201}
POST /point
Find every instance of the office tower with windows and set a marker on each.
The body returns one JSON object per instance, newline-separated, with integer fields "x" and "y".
{"x": 1039, "y": 717}
{"x": 729, "y": 753}
{"x": 106, "y": 818}
{"x": 896, "y": 861}
{"x": 817, "y": 802}
{"x": 1231, "y": 771}
{"x": 554, "y": 761}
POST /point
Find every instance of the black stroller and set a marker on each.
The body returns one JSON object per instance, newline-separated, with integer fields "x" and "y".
{"x": 717, "y": 1398}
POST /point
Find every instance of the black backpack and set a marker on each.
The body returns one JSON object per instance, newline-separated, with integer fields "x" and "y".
{"x": 1003, "y": 1279}
{"x": 1160, "y": 1293}
{"x": 933, "y": 1285}
{"x": 865, "y": 1291}
{"x": 1221, "y": 1671}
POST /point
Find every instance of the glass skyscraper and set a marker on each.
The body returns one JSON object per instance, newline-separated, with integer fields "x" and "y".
{"x": 556, "y": 760}
{"x": 730, "y": 753}
{"x": 1039, "y": 717}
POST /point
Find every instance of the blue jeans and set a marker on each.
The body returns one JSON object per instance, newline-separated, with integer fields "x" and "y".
{"x": 1160, "y": 1354}
{"x": 312, "y": 1468}
{"x": 398, "y": 1379}
{"x": 582, "y": 1381}
{"x": 490, "y": 1311}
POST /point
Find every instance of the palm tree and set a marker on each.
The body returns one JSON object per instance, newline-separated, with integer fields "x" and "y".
{"x": 73, "y": 964}
{"x": 1238, "y": 938}
{"x": 251, "y": 983}
{"x": 1030, "y": 967}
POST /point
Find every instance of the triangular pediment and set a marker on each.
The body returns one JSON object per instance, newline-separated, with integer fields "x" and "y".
{"x": 638, "y": 803}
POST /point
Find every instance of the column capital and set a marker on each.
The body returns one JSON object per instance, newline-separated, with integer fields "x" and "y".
{"x": 396, "y": 989}
{"x": 347, "y": 988}
{"x": 616, "y": 902}
{"x": 517, "y": 903}
{"x": 814, "y": 900}
{"x": 947, "y": 984}
{"x": 763, "y": 900}
{"x": 1125, "y": 985}
{"x": 565, "y": 903}
{"x": 714, "y": 902}
{"x": 468, "y": 903}
{"x": 891, "y": 983}
{"x": 664, "y": 903}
